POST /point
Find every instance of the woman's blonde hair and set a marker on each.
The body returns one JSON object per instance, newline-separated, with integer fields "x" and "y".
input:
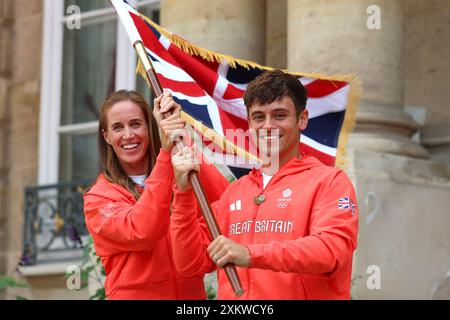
{"x": 112, "y": 169}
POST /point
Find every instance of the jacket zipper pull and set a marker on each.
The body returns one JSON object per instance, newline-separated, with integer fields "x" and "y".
{"x": 259, "y": 199}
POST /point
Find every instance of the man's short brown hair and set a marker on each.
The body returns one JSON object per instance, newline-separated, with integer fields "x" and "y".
{"x": 274, "y": 85}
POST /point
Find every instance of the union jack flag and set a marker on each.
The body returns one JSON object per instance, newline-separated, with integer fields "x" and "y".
{"x": 346, "y": 203}
{"x": 210, "y": 87}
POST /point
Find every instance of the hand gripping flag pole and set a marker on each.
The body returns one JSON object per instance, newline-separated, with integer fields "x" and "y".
{"x": 211, "y": 222}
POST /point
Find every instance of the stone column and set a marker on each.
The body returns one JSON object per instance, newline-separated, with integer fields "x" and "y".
{"x": 436, "y": 138}
{"x": 6, "y": 22}
{"x": 333, "y": 37}
{"x": 21, "y": 147}
{"x": 403, "y": 197}
{"x": 427, "y": 71}
{"x": 233, "y": 27}
{"x": 276, "y": 34}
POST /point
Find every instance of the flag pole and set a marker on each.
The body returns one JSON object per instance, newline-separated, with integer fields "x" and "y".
{"x": 211, "y": 222}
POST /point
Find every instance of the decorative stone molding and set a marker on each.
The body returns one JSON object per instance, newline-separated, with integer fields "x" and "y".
{"x": 384, "y": 128}
{"x": 49, "y": 282}
{"x": 436, "y": 138}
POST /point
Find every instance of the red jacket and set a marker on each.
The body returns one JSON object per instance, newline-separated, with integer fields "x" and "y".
{"x": 133, "y": 239}
{"x": 301, "y": 238}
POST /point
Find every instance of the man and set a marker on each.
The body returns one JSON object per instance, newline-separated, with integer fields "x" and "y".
{"x": 290, "y": 227}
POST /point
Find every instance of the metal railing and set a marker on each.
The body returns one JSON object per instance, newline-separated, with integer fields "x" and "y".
{"x": 54, "y": 225}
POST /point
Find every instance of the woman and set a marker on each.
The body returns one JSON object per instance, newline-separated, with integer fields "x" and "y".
{"x": 127, "y": 210}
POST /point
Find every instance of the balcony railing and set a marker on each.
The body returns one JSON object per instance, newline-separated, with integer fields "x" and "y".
{"x": 54, "y": 226}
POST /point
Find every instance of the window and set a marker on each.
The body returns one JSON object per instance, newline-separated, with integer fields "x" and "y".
{"x": 80, "y": 68}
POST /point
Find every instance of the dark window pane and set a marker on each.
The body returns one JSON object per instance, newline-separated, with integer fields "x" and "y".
{"x": 153, "y": 14}
{"x": 88, "y": 71}
{"x": 79, "y": 157}
{"x": 86, "y": 5}
{"x": 144, "y": 90}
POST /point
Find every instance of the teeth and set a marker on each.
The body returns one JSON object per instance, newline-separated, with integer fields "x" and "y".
{"x": 130, "y": 146}
{"x": 270, "y": 137}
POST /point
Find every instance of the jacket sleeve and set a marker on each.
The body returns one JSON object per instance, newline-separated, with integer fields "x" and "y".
{"x": 189, "y": 236}
{"x": 330, "y": 243}
{"x": 117, "y": 225}
{"x": 189, "y": 233}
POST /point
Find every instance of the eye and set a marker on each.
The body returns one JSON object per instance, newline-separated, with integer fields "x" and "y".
{"x": 116, "y": 127}
{"x": 280, "y": 116}
{"x": 135, "y": 125}
{"x": 257, "y": 117}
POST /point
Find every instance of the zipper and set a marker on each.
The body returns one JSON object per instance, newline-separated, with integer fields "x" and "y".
{"x": 263, "y": 193}
{"x": 255, "y": 214}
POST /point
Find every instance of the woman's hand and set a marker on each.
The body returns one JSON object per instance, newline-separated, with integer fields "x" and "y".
{"x": 172, "y": 127}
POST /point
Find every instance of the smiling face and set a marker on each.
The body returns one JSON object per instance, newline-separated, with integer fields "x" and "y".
{"x": 277, "y": 129}
{"x": 127, "y": 133}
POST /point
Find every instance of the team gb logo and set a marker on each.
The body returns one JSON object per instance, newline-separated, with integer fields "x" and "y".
{"x": 287, "y": 193}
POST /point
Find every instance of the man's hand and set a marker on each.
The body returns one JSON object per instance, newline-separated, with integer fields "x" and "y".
{"x": 171, "y": 127}
{"x": 184, "y": 162}
{"x": 224, "y": 250}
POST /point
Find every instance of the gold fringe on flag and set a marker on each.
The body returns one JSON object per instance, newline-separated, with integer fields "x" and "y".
{"x": 211, "y": 56}
{"x": 349, "y": 121}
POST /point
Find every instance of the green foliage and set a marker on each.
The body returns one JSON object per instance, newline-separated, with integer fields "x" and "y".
{"x": 8, "y": 282}
{"x": 90, "y": 270}
{"x": 211, "y": 293}
{"x": 98, "y": 295}
{"x": 210, "y": 281}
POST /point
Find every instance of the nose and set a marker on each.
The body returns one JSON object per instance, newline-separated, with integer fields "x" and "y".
{"x": 268, "y": 124}
{"x": 129, "y": 133}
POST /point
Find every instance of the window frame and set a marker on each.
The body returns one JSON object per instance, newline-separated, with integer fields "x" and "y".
{"x": 50, "y": 130}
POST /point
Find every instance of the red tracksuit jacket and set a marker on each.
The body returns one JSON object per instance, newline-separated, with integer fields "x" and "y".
{"x": 133, "y": 239}
{"x": 301, "y": 238}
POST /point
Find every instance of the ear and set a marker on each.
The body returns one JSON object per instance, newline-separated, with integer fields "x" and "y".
{"x": 303, "y": 120}
{"x": 105, "y": 136}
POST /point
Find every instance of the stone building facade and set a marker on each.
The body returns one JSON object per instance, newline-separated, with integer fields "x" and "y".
{"x": 399, "y": 153}
{"x": 20, "y": 74}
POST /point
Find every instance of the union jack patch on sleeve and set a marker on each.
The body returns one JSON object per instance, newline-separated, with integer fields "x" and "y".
{"x": 346, "y": 203}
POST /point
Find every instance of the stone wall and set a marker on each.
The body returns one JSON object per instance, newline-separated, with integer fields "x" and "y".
{"x": 276, "y": 34}
{"x": 20, "y": 54}
{"x": 427, "y": 58}
{"x": 427, "y": 71}
{"x": 233, "y": 27}
{"x": 6, "y": 44}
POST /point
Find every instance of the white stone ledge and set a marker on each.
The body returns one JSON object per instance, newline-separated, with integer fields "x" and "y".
{"x": 48, "y": 269}
{"x": 399, "y": 168}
